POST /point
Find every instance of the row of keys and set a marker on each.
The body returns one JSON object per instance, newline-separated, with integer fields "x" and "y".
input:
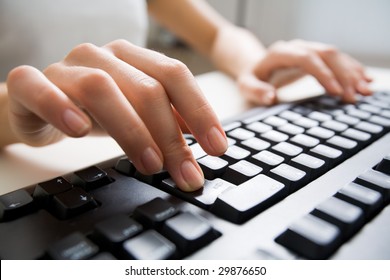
{"x": 156, "y": 230}
{"x": 61, "y": 197}
{"x": 291, "y": 149}
{"x": 318, "y": 234}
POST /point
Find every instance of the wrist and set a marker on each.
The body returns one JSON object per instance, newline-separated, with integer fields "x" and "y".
{"x": 236, "y": 51}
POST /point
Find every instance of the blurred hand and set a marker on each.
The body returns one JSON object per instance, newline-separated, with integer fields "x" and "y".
{"x": 140, "y": 97}
{"x": 337, "y": 72}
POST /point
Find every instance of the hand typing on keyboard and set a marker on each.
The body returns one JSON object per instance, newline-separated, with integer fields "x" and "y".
{"x": 144, "y": 99}
{"x": 130, "y": 96}
{"x": 338, "y": 73}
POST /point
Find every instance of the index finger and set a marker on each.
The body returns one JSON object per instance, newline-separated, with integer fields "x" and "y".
{"x": 182, "y": 90}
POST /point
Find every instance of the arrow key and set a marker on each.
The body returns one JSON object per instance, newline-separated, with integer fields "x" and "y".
{"x": 91, "y": 178}
{"x": 15, "y": 204}
{"x": 71, "y": 203}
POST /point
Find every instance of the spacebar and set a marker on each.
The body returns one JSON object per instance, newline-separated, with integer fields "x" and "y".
{"x": 241, "y": 203}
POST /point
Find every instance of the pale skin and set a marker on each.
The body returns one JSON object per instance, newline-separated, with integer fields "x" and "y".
{"x": 144, "y": 99}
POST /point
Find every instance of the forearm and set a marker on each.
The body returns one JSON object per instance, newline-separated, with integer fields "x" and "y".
{"x": 232, "y": 49}
{"x": 6, "y": 135}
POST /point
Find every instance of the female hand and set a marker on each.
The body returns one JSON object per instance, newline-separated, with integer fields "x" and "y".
{"x": 338, "y": 73}
{"x": 136, "y": 95}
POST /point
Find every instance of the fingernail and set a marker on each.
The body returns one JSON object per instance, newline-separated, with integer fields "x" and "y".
{"x": 217, "y": 140}
{"x": 151, "y": 161}
{"x": 191, "y": 175}
{"x": 75, "y": 122}
{"x": 363, "y": 87}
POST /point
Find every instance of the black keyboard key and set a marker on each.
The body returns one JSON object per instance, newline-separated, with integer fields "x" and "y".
{"x": 331, "y": 155}
{"x": 45, "y": 191}
{"x": 306, "y": 122}
{"x": 154, "y": 179}
{"x": 320, "y": 132}
{"x": 275, "y": 121}
{"x": 319, "y": 116}
{"x": 369, "y": 127}
{"x": 73, "y": 247}
{"x": 355, "y": 134}
{"x": 363, "y": 115}
{"x": 302, "y": 109}
{"x": 90, "y": 178}
{"x": 204, "y": 197}
{"x": 311, "y": 237}
{"x": 348, "y": 217}
{"x": 377, "y": 181}
{"x": 342, "y": 143}
{"x": 335, "y": 125}
{"x": 347, "y": 119}
{"x": 287, "y": 149}
{"x": 290, "y": 176}
{"x": 149, "y": 245}
{"x": 15, "y": 204}
{"x": 235, "y": 153}
{"x": 305, "y": 141}
{"x": 369, "y": 108}
{"x": 241, "y": 172}
{"x": 112, "y": 232}
{"x": 71, "y": 203}
{"x": 275, "y": 136}
{"x": 385, "y": 122}
{"x": 291, "y": 129}
{"x": 241, "y": 133}
{"x": 212, "y": 167}
{"x": 259, "y": 127}
{"x": 255, "y": 144}
{"x": 367, "y": 199}
{"x": 125, "y": 166}
{"x": 384, "y": 165}
{"x": 267, "y": 159}
{"x": 189, "y": 232}
{"x": 248, "y": 199}
{"x": 197, "y": 151}
{"x": 155, "y": 212}
{"x": 313, "y": 166}
{"x": 290, "y": 115}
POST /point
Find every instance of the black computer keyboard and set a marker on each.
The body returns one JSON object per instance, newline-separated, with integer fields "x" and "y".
{"x": 111, "y": 211}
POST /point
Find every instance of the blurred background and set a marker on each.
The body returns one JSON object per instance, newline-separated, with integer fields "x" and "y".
{"x": 358, "y": 27}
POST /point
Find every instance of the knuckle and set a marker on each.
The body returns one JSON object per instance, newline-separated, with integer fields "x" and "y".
{"x": 149, "y": 87}
{"x": 93, "y": 82}
{"x": 94, "y": 78}
{"x": 277, "y": 45}
{"x": 329, "y": 51}
{"x": 117, "y": 44}
{"x": 173, "y": 67}
{"x": 305, "y": 56}
{"x": 18, "y": 73}
{"x": 82, "y": 50}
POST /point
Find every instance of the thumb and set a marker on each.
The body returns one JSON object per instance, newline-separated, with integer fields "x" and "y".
{"x": 257, "y": 91}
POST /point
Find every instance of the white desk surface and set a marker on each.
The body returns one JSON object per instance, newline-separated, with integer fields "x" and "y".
{"x": 21, "y": 165}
